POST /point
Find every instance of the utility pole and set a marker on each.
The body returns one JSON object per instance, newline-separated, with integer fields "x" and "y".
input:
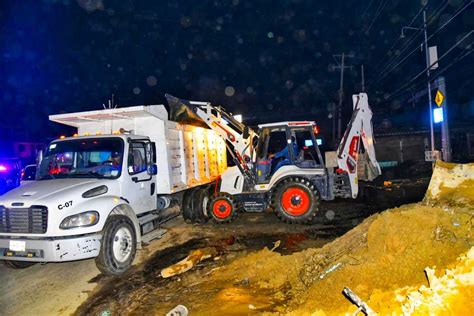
{"x": 427, "y": 55}
{"x": 440, "y": 83}
{"x": 342, "y": 67}
{"x": 428, "y": 68}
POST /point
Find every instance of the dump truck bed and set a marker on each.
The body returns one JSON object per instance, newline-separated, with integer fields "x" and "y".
{"x": 187, "y": 156}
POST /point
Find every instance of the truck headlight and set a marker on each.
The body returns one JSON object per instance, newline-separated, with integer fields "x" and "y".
{"x": 85, "y": 219}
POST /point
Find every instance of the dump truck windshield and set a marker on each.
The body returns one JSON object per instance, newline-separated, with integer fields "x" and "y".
{"x": 83, "y": 158}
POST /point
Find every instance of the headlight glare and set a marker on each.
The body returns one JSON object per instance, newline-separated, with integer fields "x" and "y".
{"x": 85, "y": 219}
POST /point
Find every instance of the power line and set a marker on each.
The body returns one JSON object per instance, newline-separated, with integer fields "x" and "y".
{"x": 423, "y": 82}
{"x": 399, "y": 38}
{"x": 405, "y": 47}
{"x": 368, "y": 7}
{"x": 467, "y": 4}
{"x": 429, "y": 67}
{"x": 383, "y": 75}
{"x": 438, "y": 72}
{"x": 377, "y": 13}
{"x": 407, "y": 44}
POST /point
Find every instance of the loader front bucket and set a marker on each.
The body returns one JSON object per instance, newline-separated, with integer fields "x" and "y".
{"x": 451, "y": 184}
{"x": 183, "y": 112}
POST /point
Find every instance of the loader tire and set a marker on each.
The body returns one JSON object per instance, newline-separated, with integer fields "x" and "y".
{"x": 194, "y": 205}
{"x": 296, "y": 201}
{"x": 118, "y": 246}
{"x": 18, "y": 264}
{"x": 222, "y": 208}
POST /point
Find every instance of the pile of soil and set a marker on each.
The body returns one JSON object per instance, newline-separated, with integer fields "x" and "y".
{"x": 412, "y": 259}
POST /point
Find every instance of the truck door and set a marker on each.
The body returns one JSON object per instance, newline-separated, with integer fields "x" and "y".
{"x": 140, "y": 187}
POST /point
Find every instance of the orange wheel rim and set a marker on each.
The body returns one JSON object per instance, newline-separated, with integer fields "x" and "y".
{"x": 222, "y": 209}
{"x": 295, "y": 201}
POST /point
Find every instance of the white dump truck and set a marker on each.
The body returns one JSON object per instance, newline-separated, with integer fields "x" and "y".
{"x": 105, "y": 190}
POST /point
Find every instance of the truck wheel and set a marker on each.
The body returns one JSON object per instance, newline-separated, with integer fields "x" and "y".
{"x": 186, "y": 207}
{"x": 18, "y": 264}
{"x": 200, "y": 202}
{"x": 118, "y": 247}
{"x": 296, "y": 201}
{"x": 194, "y": 204}
{"x": 222, "y": 208}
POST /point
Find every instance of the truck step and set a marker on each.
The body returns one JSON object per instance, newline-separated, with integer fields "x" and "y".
{"x": 147, "y": 218}
{"x": 155, "y": 234}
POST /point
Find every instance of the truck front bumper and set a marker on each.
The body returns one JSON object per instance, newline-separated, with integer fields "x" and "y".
{"x": 50, "y": 249}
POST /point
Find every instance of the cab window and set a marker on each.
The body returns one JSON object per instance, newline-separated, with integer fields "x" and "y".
{"x": 306, "y": 143}
{"x": 137, "y": 158}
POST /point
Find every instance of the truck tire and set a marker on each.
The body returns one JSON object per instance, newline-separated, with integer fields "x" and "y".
{"x": 186, "y": 207}
{"x": 118, "y": 246}
{"x": 200, "y": 203}
{"x": 18, "y": 264}
{"x": 222, "y": 208}
{"x": 194, "y": 203}
{"x": 296, "y": 201}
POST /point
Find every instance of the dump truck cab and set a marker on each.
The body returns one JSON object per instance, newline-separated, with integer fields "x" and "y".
{"x": 129, "y": 161}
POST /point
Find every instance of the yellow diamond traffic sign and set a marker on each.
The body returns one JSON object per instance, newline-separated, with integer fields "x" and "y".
{"x": 439, "y": 98}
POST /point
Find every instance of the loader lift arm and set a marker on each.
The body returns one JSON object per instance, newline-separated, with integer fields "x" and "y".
{"x": 239, "y": 138}
{"x": 359, "y": 127}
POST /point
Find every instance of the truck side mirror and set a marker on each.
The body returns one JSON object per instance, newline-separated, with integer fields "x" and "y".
{"x": 246, "y": 132}
{"x": 39, "y": 156}
{"x": 153, "y": 151}
{"x": 152, "y": 170}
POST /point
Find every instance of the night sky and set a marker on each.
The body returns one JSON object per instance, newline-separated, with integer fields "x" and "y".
{"x": 268, "y": 60}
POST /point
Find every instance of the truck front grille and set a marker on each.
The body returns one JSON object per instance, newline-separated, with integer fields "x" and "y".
{"x": 32, "y": 220}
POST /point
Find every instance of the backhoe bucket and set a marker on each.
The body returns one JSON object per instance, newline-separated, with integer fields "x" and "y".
{"x": 182, "y": 111}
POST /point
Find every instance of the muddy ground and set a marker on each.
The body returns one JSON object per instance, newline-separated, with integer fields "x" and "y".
{"x": 78, "y": 287}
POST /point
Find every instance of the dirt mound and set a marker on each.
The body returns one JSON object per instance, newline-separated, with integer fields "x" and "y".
{"x": 383, "y": 260}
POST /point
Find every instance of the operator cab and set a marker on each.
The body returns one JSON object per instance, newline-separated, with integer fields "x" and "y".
{"x": 286, "y": 144}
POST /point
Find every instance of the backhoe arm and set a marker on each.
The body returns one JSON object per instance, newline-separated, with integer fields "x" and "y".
{"x": 359, "y": 127}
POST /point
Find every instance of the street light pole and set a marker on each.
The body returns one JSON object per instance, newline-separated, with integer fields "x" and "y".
{"x": 342, "y": 66}
{"x": 339, "y": 108}
{"x": 428, "y": 68}
{"x": 427, "y": 54}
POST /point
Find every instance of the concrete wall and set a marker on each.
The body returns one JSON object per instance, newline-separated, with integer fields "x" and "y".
{"x": 401, "y": 148}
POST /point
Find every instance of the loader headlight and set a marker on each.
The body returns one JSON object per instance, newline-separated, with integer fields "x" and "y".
{"x": 85, "y": 219}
